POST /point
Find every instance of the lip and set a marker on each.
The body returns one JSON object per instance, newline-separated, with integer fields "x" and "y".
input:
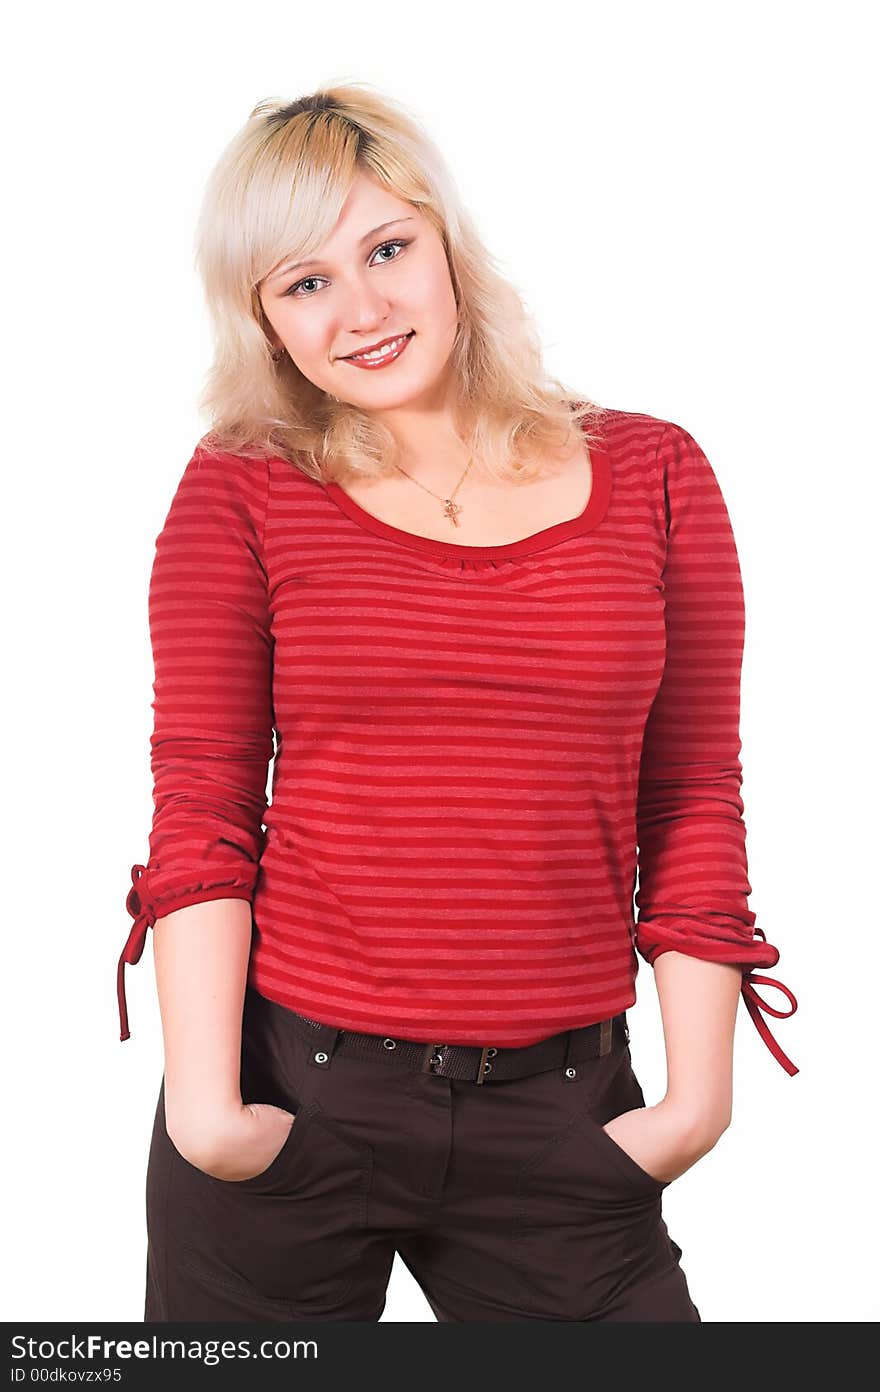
{"x": 373, "y": 347}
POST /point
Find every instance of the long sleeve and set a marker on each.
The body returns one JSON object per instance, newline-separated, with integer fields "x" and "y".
{"x": 212, "y": 737}
{"x": 693, "y": 872}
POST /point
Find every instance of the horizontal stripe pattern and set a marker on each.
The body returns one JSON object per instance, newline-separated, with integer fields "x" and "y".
{"x": 485, "y": 759}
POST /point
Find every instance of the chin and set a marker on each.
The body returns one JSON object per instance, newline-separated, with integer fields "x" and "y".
{"x": 395, "y": 393}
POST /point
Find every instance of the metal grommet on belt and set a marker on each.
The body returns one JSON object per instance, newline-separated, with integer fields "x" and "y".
{"x": 389, "y": 1043}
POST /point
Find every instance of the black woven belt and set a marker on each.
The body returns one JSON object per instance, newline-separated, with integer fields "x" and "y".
{"x": 469, "y": 1062}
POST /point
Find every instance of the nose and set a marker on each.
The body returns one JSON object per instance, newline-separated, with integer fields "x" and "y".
{"x": 366, "y": 308}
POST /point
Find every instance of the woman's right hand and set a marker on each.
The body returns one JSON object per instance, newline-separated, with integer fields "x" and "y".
{"x": 237, "y": 1144}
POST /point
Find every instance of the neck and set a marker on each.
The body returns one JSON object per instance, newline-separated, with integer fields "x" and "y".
{"x": 425, "y": 432}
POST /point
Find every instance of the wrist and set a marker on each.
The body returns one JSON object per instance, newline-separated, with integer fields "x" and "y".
{"x": 699, "y": 1127}
{"x": 192, "y": 1115}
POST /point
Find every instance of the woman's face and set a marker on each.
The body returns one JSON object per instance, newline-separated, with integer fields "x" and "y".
{"x": 369, "y": 282}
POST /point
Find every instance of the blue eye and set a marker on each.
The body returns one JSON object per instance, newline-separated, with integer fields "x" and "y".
{"x": 294, "y": 289}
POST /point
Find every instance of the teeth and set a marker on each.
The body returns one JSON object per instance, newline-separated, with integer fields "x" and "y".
{"x": 382, "y": 352}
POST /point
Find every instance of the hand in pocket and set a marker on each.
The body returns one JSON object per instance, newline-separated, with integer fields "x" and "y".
{"x": 242, "y": 1143}
{"x": 659, "y": 1139}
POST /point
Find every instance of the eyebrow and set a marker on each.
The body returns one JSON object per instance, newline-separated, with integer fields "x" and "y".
{"x": 297, "y": 265}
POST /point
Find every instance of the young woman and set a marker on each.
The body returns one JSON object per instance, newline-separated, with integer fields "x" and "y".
{"x": 497, "y": 631}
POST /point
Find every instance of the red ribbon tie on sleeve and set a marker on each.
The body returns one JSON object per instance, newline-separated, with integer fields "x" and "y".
{"x": 756, "y": 1003}
{"x": 144, "y": 918}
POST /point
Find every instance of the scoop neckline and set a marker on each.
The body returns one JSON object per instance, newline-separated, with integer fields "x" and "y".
{"x": 592, "y": 514}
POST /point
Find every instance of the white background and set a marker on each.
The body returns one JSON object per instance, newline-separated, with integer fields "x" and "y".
{"x": 682, "y": 194}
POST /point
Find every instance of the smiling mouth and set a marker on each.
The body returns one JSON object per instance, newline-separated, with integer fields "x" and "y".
{"x": 389, "y": 349}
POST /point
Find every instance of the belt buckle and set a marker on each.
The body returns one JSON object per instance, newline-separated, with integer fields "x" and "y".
{"x": 434, "y": 1058}
{"x": 484, "y": 1068}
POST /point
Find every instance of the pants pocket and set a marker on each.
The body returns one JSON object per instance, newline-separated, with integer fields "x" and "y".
{"x": 587, "y": 1219}
{"x": 291, "y": 1235}
{"x": 614, "y": 1090}
{"x": 286, "y": 1241}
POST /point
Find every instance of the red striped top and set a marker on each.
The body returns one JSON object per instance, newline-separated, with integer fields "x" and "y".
{"x": 479, "y": 751}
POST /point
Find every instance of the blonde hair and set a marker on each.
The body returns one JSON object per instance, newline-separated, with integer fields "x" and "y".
{"x": 277, "y": 191}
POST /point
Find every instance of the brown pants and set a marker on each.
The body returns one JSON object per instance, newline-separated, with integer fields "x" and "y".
{"x": 506, "y": 1200}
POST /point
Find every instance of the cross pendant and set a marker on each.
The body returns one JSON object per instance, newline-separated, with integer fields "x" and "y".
{"x": 451, "y": 509}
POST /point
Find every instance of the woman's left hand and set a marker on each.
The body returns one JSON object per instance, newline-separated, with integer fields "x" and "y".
{"x": 662, "y": 1139}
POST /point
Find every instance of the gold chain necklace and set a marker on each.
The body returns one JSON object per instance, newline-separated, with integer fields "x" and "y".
{"x": 451, "y": 509}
